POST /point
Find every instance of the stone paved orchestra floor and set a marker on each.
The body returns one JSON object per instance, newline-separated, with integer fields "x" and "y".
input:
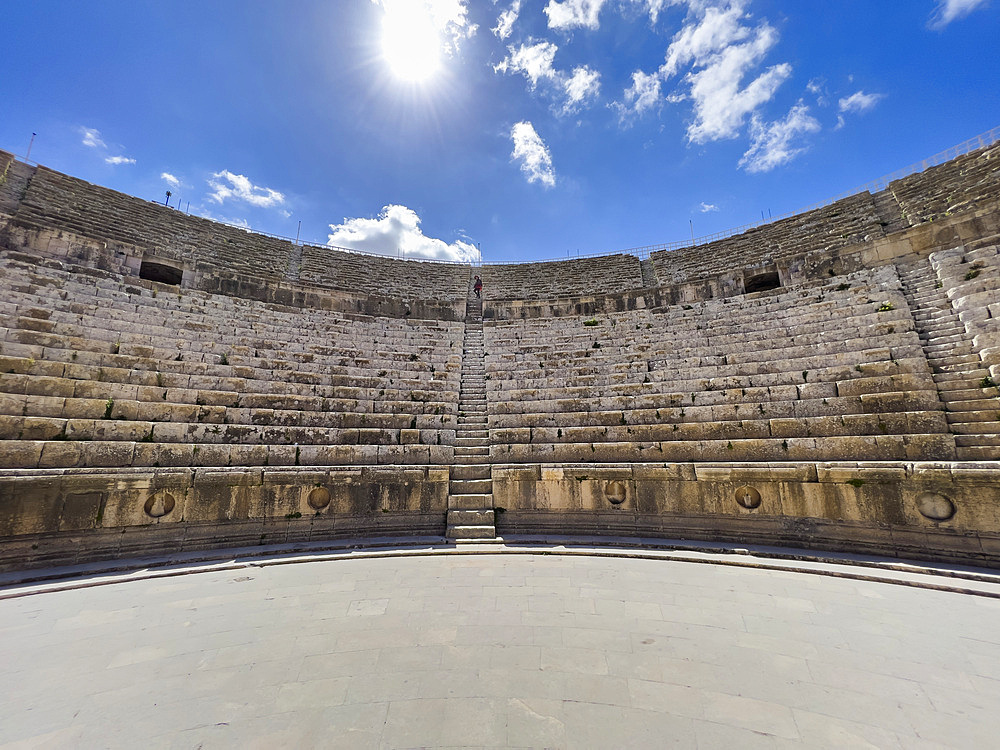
{"x": 530, "y": 645}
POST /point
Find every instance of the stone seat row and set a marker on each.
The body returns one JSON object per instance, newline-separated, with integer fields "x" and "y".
{"x": 265, "y": 410}
{"x": 201, "y": 433}
{"x": 175, "y": 372}
{"x": 820, "y": 369}
{"x": 145, "y": 387}
{"x": 850, "y": 448}
{"x": 608, "y": 274}
{"x": 337, "y": 382}
{"x": 30, "y": 454}
{"x": 137, "y": 301}
{"x": 568, "y": 364}
{"x": 887, "y": 423}
{"x": 676, "y": 408}
{"x": 261, "y": 354}
{"x": 141, "y": 310}
{"x": 708, "y": 341}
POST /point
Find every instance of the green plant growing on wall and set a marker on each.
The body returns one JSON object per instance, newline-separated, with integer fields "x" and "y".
{"x": 886, "y": 307}
{"x": 224, "y": 359}
{"x": 591, "y": 322}
{"x": 108, "y": 407}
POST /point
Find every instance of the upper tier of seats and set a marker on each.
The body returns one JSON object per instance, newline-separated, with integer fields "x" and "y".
{"x": 810, "y": 373}
{"x": 608, "y": 274}
{"x": 846, "y": 222}
{"x": 959, "y": 185}
{"x": 99, "y": 371}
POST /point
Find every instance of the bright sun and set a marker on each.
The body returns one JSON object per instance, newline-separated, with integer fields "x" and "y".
{"x": 411, "y": 44}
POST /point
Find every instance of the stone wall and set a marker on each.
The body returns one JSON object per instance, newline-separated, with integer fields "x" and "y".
{"x": 936, "y": 511}
{"x": 72, "y": 516}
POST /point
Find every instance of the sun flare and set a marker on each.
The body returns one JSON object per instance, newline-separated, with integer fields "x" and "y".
{"x": 411, "y": 45}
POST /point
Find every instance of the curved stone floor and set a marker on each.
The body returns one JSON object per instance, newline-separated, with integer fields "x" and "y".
{"x": 500, "y": 650}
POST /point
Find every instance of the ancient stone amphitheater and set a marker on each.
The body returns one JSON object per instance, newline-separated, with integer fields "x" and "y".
{"x": 828, "y": 381}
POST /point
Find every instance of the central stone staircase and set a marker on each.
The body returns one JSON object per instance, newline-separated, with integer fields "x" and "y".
{"x": 961, "y": 377}
{"x": 470, "y": 500}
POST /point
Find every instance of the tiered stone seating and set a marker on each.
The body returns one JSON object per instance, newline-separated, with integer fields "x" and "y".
{"x": 846, "y": 222}
{"x": 813, "y": 373}
{"x": 372, "y": 274}
{"x": 957, "y": 186}
{"x": 100, "y": 372}
{"x": 57, "y": 201}
{"x": 609, "y": 274}
{"x": 13, "y": 180}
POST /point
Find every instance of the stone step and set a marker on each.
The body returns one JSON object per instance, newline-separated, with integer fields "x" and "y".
{"x": 470, "y": 471}
{"x": 473, "y": 517}
{"x": 978, "y": 453}
{"x": 471, "y": 532}
{"x": 475, "y": 442}
{"x": 463, "y": 451}
{"x": 958, "y": 367}
{"x": 958, "y": 394}
{"x": 973, "y": 404}
{"x": 475, "y": 501}
{"x": 471, "y": 486}
{"x": 969, "y": 377}
{"x": 964, "y": 441}
{"x": 976, "y": 428}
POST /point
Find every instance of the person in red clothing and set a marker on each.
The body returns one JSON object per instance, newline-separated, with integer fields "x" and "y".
{"x": 478, "y": 287}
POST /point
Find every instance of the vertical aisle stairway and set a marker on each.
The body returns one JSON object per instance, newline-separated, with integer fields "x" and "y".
{"x": 470, "y": 499}
{"x": 973, "y": 411}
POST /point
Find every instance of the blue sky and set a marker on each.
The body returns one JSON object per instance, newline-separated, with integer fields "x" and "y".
{"x": 531, "y": 129}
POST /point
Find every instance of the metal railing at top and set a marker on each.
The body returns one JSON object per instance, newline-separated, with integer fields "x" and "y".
{"x": 977, "y": 142}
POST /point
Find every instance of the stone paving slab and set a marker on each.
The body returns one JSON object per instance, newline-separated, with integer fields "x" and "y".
{"x": 492, "y": 649}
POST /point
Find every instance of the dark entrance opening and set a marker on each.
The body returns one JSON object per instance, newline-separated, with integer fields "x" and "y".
{"x": 158, "y": 272}
{"x": 762, "y": 283}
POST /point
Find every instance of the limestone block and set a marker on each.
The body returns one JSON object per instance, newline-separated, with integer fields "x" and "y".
{"x": 163, "y": 454}
{"x": 20, "y": 453}
{"x": 61, "y": 454}
{"x": 248, "y": 455}
{"x": 407, "y": 437}
{"x": 49, "y": 386}
{"x": 930, "y": 447}
{"x": 42, "y": 428}
{"x": 108, "y": 454}
{"x": 209, "y": 454}
{"x": 12, "y": 404}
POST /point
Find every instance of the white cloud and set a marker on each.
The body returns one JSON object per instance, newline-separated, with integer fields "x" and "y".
{"x": 396, "y": 231}
{"x": 227, "y": 185}
{"x": 92, "y": 138}
{"x": 772, "y": 143}
{"x": 642, "y": 96}
{"x": 531, "y": 151}
{"x": 655, "y": 7}
{"x": 583, "y": 85}
{"x": 707, "y": 207}
{"x": 859, "y": 102}
{"x": 116, "y": 160}
{"x": 449, "y": 18}
{"x": 505, "y": 23}
{"x": 574, "y": 13}
{"x": 950, "y": 10}
{"x": 170, "y": 180}
{"x": 535, "y": 62}
{"x": 721, "y": 51}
